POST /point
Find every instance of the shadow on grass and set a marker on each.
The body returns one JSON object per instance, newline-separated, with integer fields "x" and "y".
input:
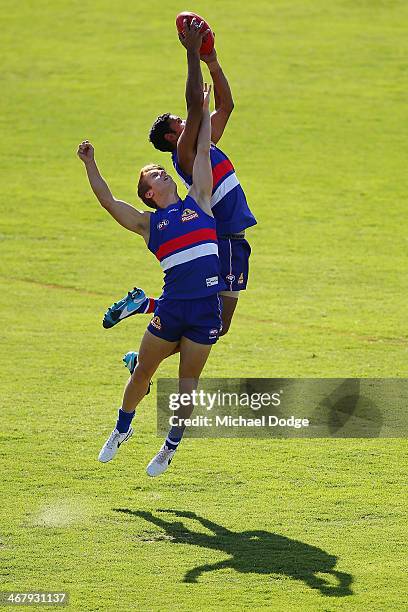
{"x": 258, "y": 552}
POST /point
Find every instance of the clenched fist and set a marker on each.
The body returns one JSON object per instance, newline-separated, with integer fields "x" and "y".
{"x": 86, "y": 151}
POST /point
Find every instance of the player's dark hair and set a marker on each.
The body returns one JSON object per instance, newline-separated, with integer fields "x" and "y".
{"x": 143, "y": 185}
{"x": 159, "y": 129}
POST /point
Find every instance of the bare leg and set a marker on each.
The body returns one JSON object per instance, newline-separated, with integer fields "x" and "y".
{"x": 228, "y": 308}
{"x": 193, "y": 357}
{"x": 152, "y": 352}
{"x": 192, "y": 360}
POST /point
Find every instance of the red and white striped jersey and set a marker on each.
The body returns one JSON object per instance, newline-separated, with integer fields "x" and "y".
{"x": 184, "y": 240}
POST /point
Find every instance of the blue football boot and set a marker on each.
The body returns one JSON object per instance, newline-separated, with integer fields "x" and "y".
{"x": 130, "y": 361}
{"x": 126, "y": 307}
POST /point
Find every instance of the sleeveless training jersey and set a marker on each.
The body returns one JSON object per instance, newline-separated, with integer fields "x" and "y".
{"x": 184, "y": 239}
{"x": 228, "y": 202}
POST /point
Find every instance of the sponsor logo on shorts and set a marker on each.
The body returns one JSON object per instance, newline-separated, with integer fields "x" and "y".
{"x": 162, "y": 224}
{"x": 230, "y": 278}
{"x": 156, "y": 322}
{"x": 211, "y": 281}
{"x": 213, "y": 334}
{"x": 189, "y": 214}
{"x": 241, "y": 279}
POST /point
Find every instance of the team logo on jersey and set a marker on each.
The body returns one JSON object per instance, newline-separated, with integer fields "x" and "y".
{"x": 156, "y": 322}
{"x": 230, "y": 278}
{"x": 162, "y": 224}
{"x": 213, "y": 333}
{"x": 241, "y": 279}
{"x": 189, "y": 214}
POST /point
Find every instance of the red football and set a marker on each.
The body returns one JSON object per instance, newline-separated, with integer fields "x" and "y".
{"x": 208, "y": 40}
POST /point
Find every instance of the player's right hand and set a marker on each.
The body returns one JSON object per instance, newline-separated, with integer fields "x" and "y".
{"x": 192, "y": 35}
{"x": 207, "y": 96}
{"x": 86, "y": 152}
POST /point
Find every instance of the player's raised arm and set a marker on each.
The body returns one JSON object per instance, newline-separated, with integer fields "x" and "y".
{"x": 123, "y": 213}
{"x": 191, "y": 39}
{"x": 224, "y": 104}
{"x": 201, "y": 189}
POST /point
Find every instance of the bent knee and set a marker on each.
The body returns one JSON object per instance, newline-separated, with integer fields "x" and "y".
{"x": 142, "y": 371}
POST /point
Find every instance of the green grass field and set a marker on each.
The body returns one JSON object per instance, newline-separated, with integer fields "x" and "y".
{"x": 318, "y": 137}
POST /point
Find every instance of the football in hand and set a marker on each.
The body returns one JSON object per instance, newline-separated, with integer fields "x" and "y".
{"x": 208, "y": 40}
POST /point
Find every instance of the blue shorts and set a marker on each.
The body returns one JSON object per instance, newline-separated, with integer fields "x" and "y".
{"x": 198, "y": 320}
{"x": 234, "y": 262}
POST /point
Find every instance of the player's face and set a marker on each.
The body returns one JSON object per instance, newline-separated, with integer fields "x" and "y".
{"x": 176, "y": 125}
{"x": 159, "y": 181}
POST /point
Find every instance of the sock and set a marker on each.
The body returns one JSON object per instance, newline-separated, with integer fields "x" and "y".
{"x": 124, "y": 420}
{"x": 174, "y": 437}
{"x": 151, "y": 306}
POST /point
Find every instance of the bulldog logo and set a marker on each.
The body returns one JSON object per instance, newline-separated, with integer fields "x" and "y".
{"x": 156, "y": 322}
{"x": 189, "y": 214}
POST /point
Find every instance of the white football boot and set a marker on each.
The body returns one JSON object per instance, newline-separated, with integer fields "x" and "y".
{"x": 160, "y": 462}
{"x": 111, "y": 446}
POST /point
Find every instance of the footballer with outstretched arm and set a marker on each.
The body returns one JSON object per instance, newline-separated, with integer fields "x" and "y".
{"x": 182, "y": 235}
{"x": 172, "y": 134}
